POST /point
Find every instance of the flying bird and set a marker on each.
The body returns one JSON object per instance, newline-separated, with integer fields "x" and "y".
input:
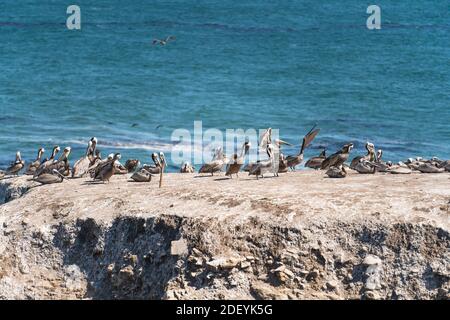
{"x": 163, "y": 42}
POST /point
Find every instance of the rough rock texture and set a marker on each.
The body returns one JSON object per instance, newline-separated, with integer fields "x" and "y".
{"x": 300, "y": 236}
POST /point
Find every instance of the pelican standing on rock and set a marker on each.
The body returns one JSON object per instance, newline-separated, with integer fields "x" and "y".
{"x": 44, "y": 165}
{"x": 62, "y": 164}
{"x": 293, "y": 161}
{"x": 16, "y": 166}
{"x": 32, "y": 167}
{"x": 81, "y": 166}
{"x": 266, "y": 165}
{"x": 217, "y": 163}
{"x": 238, "y": 160}
{"x": 264, "y": 141}
{"x": 162, "y": 161}
{"x": 337, "y": 159}
{"x": 105, "y": 171}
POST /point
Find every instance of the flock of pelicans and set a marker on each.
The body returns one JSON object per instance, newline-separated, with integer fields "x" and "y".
{"x": 55, "y": 170}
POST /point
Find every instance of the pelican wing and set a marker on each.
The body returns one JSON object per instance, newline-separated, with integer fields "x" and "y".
{"x": 331, "y": 160}
{"x": 81, "y": 167}
{"x": 309, "y": 137}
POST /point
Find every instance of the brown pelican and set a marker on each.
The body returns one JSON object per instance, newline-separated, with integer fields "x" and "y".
{"x": 429, "y": 168}
{"x": 265, "y": 165}
{"x": 97, "y": 162}
{"x": 162, "y": 161}
{"x": 337, "y": 159}
{"x": 120, "y": 168}
{"x": 106, "y": 170}
{"x": 50, "y": 177}
{"x": 293, "y": 161}
{"x": 187, "y": 168}
{"x": 156, "y": 168}
{"x": 44, "y": 165}
{"x": 316, "y": 162}
{"x": 164, "y": 41}
{"x": 370, "y": 156}
{"x": 141, "y": 175}
{"x": 81, "y": 166}
{"x": 216, "y": 164}
{"x": 413, "y": 164}
{"x": 381, "y": 165}
{"x": 264, "y": 141}
{"x": 32, "y": 167}
{"x": 335, "y": 172}
{"x": 282, "y": 164}
{"x": 16, "y": 166}
{"x": 379, "y": 156}
{"x": 131, "y": 165}
{"x": 238, "y": 160}
{"x": 445, "y": 164}
{"x": 62, "y": 164}
{"x": 97, "y": 158}
{"x": 365, "y": 166}
{"x": 92, "y": 152}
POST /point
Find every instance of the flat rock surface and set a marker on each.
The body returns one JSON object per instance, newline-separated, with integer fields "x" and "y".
{"x": 295, "y": 197}
{"x": 298, "y": 236}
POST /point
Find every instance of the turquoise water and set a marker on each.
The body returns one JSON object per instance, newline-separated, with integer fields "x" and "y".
{"x": 233, "y": 65}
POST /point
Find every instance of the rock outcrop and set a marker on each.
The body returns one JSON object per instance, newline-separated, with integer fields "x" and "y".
{"x": 138, "y": 242}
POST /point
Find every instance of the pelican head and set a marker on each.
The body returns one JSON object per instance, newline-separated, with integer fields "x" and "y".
{"x": 56, "y": 149}
{"x": 110, "y": 156}
{"x": 67, "y": 150}
{"x": 156, "y": 159}
{"x": 348, "y": 147}
{"x": 379, "y": 154}
{"x": 162, "y": 158}
{"x": 117, "y": 156}
{"x": 18, "y": 156}
{"x": 369, "y": 146}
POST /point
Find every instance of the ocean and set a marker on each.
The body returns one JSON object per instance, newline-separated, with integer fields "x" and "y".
{"x": 234, "y": 64}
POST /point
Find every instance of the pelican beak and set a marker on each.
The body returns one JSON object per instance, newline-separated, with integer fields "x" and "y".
{"x": 279, "y": 141}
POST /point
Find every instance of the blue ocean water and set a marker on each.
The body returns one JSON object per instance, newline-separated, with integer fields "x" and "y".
{"x": 234, "y": 64}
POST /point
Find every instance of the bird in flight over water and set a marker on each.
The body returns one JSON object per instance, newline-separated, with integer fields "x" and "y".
{"x": 163, "y": 42}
